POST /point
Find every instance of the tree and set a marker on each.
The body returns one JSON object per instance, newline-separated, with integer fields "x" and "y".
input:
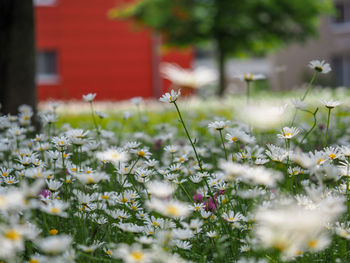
{"x": 238, "y": 27}
{"x": 17, "y": 55}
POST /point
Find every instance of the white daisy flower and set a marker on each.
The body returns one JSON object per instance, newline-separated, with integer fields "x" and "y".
{"x": 330, "y": 104}
{"x": 288, "y": 133}
{"x": 89, "y": 97}
{"x": 170, "y": 97}
{"x": 320, "y": 66}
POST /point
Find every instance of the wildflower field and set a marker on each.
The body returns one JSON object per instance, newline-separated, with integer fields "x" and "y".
{"x": 241, "y": 180}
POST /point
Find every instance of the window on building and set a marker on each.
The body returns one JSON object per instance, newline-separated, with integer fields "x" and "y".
{"x": 45, "y": 2}
{"x": 342, "y": 12}
{"x": 341, "y": 70}
{"x": 46, "y": 67}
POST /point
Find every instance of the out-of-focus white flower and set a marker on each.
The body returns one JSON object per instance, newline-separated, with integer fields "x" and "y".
{"x": 132, "y": 254}
{"x": 136, "y": 100}
{"x": 89, "y": 97}
{"x": 186, "y": 78}
{"x": 170, "y": 97}
{"x": 320, "y": 66}
{"x": 292, "y": 229}
{"x": 299, "y": 104}
{"x": 91, "y": 178}
{"x": 218, "y": 125}
{"x": 250, "y": 77}
{"x": 160, "y": 189}
{"x": 264, "y": 116}
{"x": 54, "y": 244}
{"x": 330, "y": 104}
{"x": 112, "y": 155}
{"x": 171, "y": 208}
{"x": 237, "y": 135}
{"x": 250, "y": 174}
{"x": 55, "y": 207}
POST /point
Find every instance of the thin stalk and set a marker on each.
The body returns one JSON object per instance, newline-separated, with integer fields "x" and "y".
{"x": 195, "y": 151}
{"x": 188, "y": 135}
{"x": 64, "y": 176}
{"x": 313, "y": 126}
{"x": 223, "y": 144}
{"x": 93, "y": 116}
{"x": 329, "y": 116}
{"x": 305, "y": 94}
{"x": 309, "y": 86}
{"x": 248, "y": 91}
{"x": 188, "y": 195}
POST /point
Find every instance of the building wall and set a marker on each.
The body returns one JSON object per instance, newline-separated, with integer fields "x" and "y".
{"x": 332, "y": 44}
{"x": 95, "y": 54}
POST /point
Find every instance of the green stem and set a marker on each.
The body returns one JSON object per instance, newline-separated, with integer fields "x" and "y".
{"x": 248, "y": 91}
{"x": 188, "y": 195}
{"x": 188, "y": 136}
{"x": 195, "y": 151}
{"x": 309, "y": 86}
{"x": 329, "y": 116}
{"x": 64, "y": 176}
{"x": 223, "y": 144}
{"x": 313, "y": 126}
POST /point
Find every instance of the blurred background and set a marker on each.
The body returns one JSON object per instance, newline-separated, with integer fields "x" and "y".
{"x": 61, "y": 49}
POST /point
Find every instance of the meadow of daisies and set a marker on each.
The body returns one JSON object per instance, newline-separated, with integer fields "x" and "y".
{"x": 269, "y": 182}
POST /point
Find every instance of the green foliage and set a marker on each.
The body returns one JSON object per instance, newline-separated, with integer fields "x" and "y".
{"x": 252, "y": 27}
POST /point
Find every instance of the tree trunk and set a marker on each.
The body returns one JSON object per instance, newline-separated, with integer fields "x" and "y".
{"x": 222, "y": 72}
{"x": 17, "y": 55}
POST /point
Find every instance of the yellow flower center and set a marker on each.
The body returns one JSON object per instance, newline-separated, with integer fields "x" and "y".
{"x": 91, "y": 180}
{"x": 288, "y": 135}
{"x": 53, "y": 232}
{"x": 115, "y": 155}
{"x": 55, "y": 210}
{"x": 137, "y": 256}
{"x": 319, "y": 161}
{"x": 12, "y": 234}
{"x": 105, "y": 197}
{"x": 141, "y": 153}
{"x": 124, "y": 200}
{"x": 33, "y": 261}
{"x": 248, "y": 77}
{"x": 172, "y": 210}
{"x": 231, "y": 218}
{"x": 10, "y": 182}
{"x": 5, "y": 174}
{"x": 332, "y": 156}
{"x": 155, "y": 223}
{"x": 280, "y": 245}
{"x": 234, "y": 139}
{"x": 312, "y": 243}
{"x": 108, "y": 252}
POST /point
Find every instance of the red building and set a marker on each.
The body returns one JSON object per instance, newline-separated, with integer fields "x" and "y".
{"x": 80, "y": 50}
